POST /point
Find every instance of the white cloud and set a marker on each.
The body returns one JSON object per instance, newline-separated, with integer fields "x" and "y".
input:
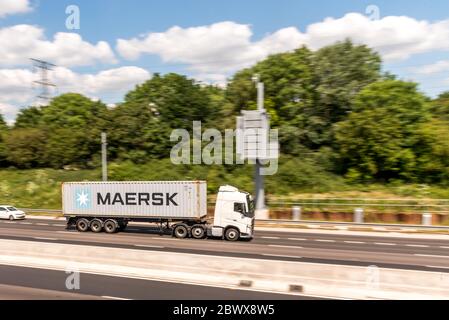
{"x": 8, "y": 7}
{"x": 8, "y": 112}
{"x": 395, "y": 37}
{"x": 16, "y": 87}
{"x": 117, "y": 81}
{"x": 438, "y": 67}
{"x": 222, "y": 48}
{"x": 21, "y": 42}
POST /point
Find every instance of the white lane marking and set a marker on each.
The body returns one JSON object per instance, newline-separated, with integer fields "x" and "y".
{"x": 114, "y": 298}
{"x": 385, "y": 244}
{"x": 280, "y": 246}
{"x": 280, "y": 256}
{"x": 147, "y": 246}
{"x": 25, "y": 223}
{"x": 355, "y": 242}
{"x": 43, "y": 238}
{"x": 297, "y": 239}
{"x": 442, "y": 247}
{"x": 324, "y": 240}
{"x": 416, "y": 245}
{"x": 437, "y": 267}
{"x": 272, "y": 238}
{"x": 431, "y": 256}
{"x": 162, "y": 238}
{"x": 58, "y": 225}
{"x": 42, "y": 224}
{"x": 69, "y": 232}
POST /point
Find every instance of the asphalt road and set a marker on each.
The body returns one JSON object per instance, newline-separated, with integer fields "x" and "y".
{"x": 329, "y": 248}
{"x": 37, "y": 284}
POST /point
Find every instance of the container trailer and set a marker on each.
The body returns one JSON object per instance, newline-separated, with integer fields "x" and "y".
{"x": 179, "y": 206}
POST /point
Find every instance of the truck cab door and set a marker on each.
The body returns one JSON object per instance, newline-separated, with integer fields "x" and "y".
{"x": 238, "y": 218}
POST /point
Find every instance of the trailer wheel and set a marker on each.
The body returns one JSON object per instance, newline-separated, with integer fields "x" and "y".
{"x": 110, "y": 226}
{"x": 198, "y": 232}
{"x": 96, "y": 225}
{"x": 232, "y": 234}
{"x": 181, "y": 231}
{"x": 82, "y": 225}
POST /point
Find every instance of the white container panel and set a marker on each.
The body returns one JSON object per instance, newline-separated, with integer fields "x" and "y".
{"x": 159, "y": 199}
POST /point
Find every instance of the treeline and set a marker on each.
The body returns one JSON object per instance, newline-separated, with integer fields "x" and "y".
{"x": 334, "y": 108}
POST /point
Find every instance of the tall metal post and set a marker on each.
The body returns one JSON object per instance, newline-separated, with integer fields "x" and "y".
{"x": 259, "y": 178}
{"x": 104, "y": 158}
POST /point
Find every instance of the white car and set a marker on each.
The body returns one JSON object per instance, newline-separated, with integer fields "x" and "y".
{"x": 11, "y": 213}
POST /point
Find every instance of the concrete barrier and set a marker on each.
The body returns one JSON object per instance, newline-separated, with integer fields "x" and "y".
{"x": 252, "y": 274}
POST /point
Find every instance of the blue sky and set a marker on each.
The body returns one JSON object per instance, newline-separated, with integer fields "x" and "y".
{"x": 255, "y": 29}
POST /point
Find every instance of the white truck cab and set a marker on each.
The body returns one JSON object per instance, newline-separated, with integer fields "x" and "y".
{"x": 234, "y": 214}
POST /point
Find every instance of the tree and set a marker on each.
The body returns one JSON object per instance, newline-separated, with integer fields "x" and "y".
{"x": 73, "y": 124}
{"x": 73, "y": 111}
{"x": 307, "y": 93}
{"x": 379, "y": 139}
{"x": 3, "y": 133}
{"x": 143, "y": 123}
{"x": 440, "y": 106}
{"x": 68, "y": 147}
{"x": 341, "y": 71}
{"x": 174, "y": 98}
{"x": 433, "y": 151}
{"x": 289, "y": 94}
{"x": 25, "y": 147}
{"x": 28, "y": 118}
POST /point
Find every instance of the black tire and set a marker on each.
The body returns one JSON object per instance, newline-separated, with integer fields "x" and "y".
{"x": 198, "y": 232}
{"x": 110, "y": 226}
{"x": 11, "y": 218}
{"x": 181, "y": 231}
{"x": 232, "y": 234}
{"x": 96, "y": 225}
{"x": 82, "y": 225}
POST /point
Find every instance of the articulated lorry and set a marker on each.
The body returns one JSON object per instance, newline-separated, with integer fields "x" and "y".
{"x": 179, "y": 206}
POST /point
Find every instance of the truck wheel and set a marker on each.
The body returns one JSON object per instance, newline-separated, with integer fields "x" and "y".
{"x": 181, "y": 231}
{"x": 232, "y": 234}
{"x": 198, "y": 232}
{"x": 110, "y": 226}
{"x": 96, "y": 225}
{"x": 82, "y": 225}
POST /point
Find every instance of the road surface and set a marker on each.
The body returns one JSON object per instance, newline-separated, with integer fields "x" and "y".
{"x": 35, "y": 284}
{"x": 329, "y": 248}
{"x": 337, "y": 248}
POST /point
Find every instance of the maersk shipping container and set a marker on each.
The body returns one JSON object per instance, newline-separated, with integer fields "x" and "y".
{"x": 155, "y": 199}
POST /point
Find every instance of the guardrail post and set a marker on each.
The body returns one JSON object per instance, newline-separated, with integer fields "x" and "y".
{"x": 426, "y": 219}
{"x": 296, "y": 213}
{"x": 358, "y": 215}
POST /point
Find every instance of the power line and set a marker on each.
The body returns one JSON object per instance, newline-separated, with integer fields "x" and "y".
{"x": 44, "y": 83}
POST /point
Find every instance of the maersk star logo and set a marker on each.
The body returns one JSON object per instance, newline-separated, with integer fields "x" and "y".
{"x": 83, "y": 199}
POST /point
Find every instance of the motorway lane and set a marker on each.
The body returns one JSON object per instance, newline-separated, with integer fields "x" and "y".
{"x": 332, "y": 248}
{"x": 32, "y": 284}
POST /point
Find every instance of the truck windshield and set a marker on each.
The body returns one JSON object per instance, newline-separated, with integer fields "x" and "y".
{"x": 250, "y": 202}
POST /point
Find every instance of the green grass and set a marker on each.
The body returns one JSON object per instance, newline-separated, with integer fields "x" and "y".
{"x": 296, "y": 179}
{"x": 38, "y": 188}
